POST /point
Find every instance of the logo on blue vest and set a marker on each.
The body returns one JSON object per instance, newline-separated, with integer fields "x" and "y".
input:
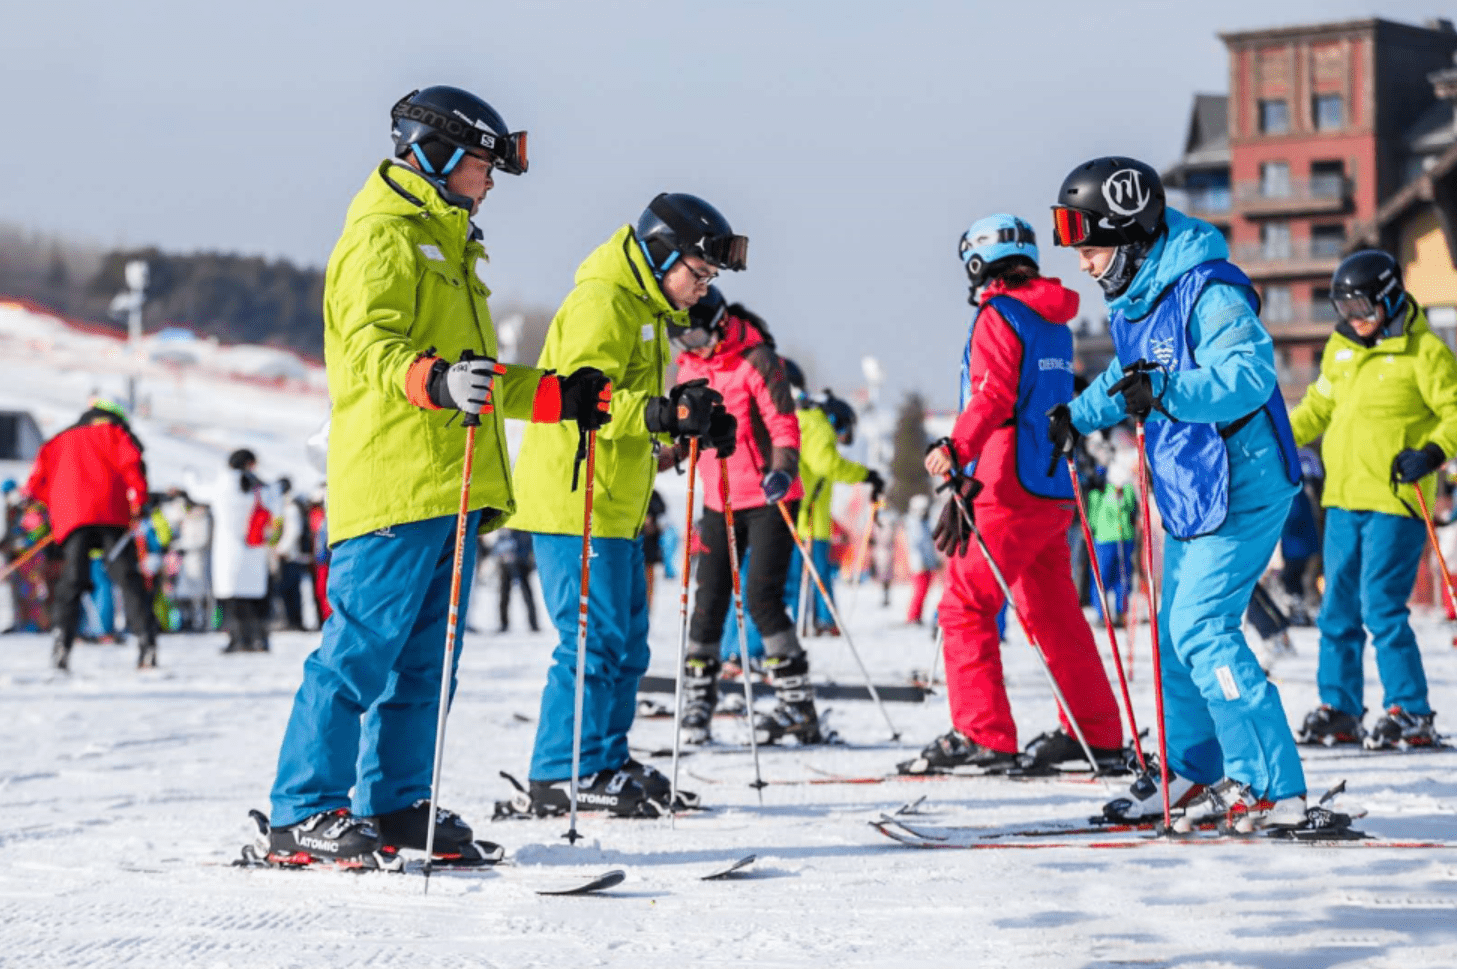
{"x": 1163, "y": 350}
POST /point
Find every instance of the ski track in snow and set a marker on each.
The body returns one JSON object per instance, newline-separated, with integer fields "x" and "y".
{"x": 123, "y": 797}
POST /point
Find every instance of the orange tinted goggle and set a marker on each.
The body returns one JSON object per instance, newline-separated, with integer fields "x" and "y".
{"x": 1070, "y": 227}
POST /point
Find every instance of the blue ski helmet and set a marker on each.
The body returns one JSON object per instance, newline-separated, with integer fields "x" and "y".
{"x": 992, "y": 239}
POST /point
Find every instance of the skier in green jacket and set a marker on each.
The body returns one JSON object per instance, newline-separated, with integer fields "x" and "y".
{"x": 410, "y": 347}
{"x": 1386, "y": 403}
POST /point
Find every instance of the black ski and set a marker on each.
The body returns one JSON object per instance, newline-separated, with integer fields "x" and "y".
{"x": 731, "y": 871}
{"x": 889, "y": 693}
{"x": 599, "y": 884}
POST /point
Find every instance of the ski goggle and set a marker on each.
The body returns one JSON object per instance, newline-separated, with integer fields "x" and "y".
{"x": 690, "y": 337}
{"x": 1071, "y": 227}
{"x": 509, "y": 153}
{"x": 1355, "y": 307}
{"x": 726, "y": 252}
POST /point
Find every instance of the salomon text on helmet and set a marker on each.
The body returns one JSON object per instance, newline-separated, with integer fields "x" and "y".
{"x": 1366, "y": 281}
{"x": 993, "y": 239}
{"x": 676, "y": 224}
{"x": 438, "y": 125}
{"x": 1109, "y": 202}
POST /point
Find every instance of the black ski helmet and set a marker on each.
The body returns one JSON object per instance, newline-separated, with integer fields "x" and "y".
{"x": 1366, "y": 280}
{"x": 841, "y": 415}
{"x": 437, "y": 125}
{"x": 705, "y": 322}
{"x": 676, "y": 224}
{"x": 1112, "y": 201}
{"x": 793, "y": 373}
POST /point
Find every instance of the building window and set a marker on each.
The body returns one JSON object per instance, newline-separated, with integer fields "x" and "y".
{"x": 1275, "y": 240}
{"x": 1275, "y": 180}
{"x": 1278, "y": 307}
{"x": 1329, "y": 112}
{"x": 1321, "y": 310}
{"x": 1274, "y": 117}
{"x": 1327, "y": 241}
{"x": 1328, "y": 179}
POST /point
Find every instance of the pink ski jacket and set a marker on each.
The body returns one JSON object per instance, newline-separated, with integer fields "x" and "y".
{"x": 746, "y": 370}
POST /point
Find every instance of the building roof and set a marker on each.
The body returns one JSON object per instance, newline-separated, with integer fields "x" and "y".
{"x": 1294, "y": 31}
{"x": 1434, "y": 130}
{"x": 1206, "y": 144}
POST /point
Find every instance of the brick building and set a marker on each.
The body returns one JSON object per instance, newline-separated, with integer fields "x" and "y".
{"x": 1317, "y": 137}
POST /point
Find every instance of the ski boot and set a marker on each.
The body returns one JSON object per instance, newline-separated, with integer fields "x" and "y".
{"x": 613, "y": 791}
{"x": 794, "y": 715}
{"x": 60, "y": 651}
{"x": 1048, "y": 750}
{"x": 146, "y": 654}
{"x": 454, "y": 842}
{"x": 700, "y": 696}
{"x": 1236, "y": 809}
{"x": 1329, "y": 726}
{"x": 1144, "y": 802}
{"x": 659, "y": 788}
{"x": 1399, "y": 730}
{"x": 952, "y": 750}
{"x": 331, "y": 838}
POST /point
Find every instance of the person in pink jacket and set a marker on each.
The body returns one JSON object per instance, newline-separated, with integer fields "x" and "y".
{"x": 730, "y": 347}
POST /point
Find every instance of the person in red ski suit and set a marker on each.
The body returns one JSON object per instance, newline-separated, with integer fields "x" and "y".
{"x": 1017, "y": 365}
{"x": 730, "y": 347}
{"x": 93, "y": 483}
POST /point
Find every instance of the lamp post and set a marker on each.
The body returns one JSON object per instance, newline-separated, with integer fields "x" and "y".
{"x": 130, "y": 301}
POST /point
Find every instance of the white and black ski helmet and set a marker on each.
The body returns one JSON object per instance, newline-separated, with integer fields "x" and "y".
{"x": 437, "y": 125}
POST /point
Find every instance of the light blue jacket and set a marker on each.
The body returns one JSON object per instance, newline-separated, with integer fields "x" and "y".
{"x": 1236, "y": 360}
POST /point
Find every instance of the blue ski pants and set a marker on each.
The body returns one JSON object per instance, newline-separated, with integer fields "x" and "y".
{"x": 365, "y": 715}
{"x": 617, "y": 652}
{"x": 1223, "y": 717}
{"x": 1115, "y": 564}
{"x": 1371, "y": 562}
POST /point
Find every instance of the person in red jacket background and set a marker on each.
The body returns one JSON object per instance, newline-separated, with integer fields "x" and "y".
{"x": 1017, "y": 365}
{"x": 730, "y": 348}
{"x": 93, "y": 482}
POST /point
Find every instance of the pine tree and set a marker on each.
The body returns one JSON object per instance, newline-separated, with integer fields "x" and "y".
{"x": 907, "y": 465}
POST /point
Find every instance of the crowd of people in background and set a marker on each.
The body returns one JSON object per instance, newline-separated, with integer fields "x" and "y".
{"x": 231, "y": 552}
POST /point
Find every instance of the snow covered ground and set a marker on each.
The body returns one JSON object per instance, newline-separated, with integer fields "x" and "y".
{"x": 123, "y": 797}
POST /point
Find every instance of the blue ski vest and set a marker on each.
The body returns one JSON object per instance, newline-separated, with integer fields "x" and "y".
{"x": 1045, "y": 381}
{"x": 1189, "y": 462}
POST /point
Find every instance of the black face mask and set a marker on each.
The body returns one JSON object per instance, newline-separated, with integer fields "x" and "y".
{"x": 1127, "y": 260}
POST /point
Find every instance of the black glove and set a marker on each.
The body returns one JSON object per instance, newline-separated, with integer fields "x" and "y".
{"x": 776, "y": 485}
{"x": 465, "y": 386}
{"x": 687, "y": 411}
{"x": 587, "y": 398}
{"x": 1137, "y": 390}
{"x": 1411, "y": 465}
{"x": 723, "y": 432}
{"x": 952, "y": 534}
{"x": 877, "y": 485}
{"x": 1062, "y": 434}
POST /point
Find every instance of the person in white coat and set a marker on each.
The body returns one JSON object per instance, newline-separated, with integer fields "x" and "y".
{"x": 242, "y": 516}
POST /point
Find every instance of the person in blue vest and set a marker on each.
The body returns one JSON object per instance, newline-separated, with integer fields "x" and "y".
{"x": 1017, "y": 364}
{"x": 1194, "y": 361}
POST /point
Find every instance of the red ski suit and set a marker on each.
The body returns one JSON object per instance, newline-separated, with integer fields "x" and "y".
{"x": 89, "y": 474}
{"x": 1027, "y": 536}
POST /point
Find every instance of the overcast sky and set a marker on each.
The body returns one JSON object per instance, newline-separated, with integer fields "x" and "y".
{"x": 852, "y": 142}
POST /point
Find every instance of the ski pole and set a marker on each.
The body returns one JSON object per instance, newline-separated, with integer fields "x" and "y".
{"x": 1153, "y": 622}
{"x": 1072, "y": 472}
{"x": 1441, "y": 559}
{"x": 590, "y": 442}
{"x": 862, "y": 553}
{"x": 806, "y": 602}
{"x": 470, "y": 423}
{"x": 733, "y": 551}
{"x": 24, "y": 557}
{"x": 936, "y": 642}
{"x": 683, "y": 628}
{"x": 819, "y": 581}
{"x": 121, "y": 543}
{"x": 1001, "y": 580}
